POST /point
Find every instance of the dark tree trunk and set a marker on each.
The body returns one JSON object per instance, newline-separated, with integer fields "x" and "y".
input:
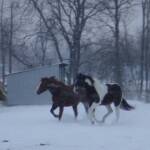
{"x": 147, "y": 50}
{"x": 142, "y": 49}
{"x": 11, "y": 38}
{"x": 2, "y": 44}
{"x": 118, "y": 70}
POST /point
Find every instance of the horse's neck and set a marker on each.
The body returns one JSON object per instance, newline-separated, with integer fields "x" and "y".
{"x": 59, "y": 83}
{"x": 100, "y": 88}
{"x": 90, "y": 90}
{"x": 65, "y": 86}
{"x": 53, "y": 91}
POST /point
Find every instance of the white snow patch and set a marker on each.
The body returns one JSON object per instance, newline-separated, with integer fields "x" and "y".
{"x": 34, "y": 128}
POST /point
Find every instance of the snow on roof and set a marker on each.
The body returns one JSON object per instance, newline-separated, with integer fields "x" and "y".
{"x": 33, "y": 69}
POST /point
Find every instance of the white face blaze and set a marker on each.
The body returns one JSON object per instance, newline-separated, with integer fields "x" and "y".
{"x": 37, "y": 87}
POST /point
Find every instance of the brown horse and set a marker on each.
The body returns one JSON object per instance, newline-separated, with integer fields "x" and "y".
{"x": 62, "y": 95}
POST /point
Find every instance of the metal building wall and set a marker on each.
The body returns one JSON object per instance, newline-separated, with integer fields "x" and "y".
{"x": 21, "y": 87}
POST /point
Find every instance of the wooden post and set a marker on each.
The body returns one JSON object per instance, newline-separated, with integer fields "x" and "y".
{"x": 62, "y": 71}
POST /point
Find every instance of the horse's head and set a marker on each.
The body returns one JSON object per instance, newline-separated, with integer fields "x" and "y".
{"x": 47, "y": 83}
{"x": 43, "y": 86}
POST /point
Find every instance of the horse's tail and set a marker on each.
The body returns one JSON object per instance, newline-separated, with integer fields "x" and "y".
{"x": 125, "y": 106}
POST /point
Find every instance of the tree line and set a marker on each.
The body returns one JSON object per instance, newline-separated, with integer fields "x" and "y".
{"x": 94, "y": 37}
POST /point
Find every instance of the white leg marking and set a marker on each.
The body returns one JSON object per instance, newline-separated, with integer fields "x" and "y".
{"x": 91, "y": 112}
{"x": 117, "y": 111}
{"x": 109, "y": 111}
{"x": 89, "y": 115}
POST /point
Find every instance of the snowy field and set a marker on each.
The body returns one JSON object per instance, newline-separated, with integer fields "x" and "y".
{"x": 34, "y": 128}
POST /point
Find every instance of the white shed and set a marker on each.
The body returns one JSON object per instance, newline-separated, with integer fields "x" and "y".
{"x": 21, "y": 86}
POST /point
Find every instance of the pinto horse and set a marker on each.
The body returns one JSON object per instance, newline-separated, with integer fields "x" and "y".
{"x": 62, "y": 95}
{"x": 99, "y": 94}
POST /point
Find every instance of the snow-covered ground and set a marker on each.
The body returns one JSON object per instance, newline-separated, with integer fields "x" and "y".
{"x": 34, "y": 128}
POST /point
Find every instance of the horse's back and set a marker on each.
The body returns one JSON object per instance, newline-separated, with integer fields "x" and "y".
{"x": 66, "y": 97}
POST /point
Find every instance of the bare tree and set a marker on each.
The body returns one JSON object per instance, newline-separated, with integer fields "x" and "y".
{"x": 144, "y": 72}
{"x": 2, "y": 41}
{"x": 50, "y": 27}
{"x": 13, "y": 5}
{"x": 147, "y": 50}
{"x": 70, "y": 17}
{"x": 114, "y": 12}
{"x": 142, "y": 46}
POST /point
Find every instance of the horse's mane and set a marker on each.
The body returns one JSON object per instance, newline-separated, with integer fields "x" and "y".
{"x": 87, "y": 78}
{"x": 59, "y": 82}
{"x": 62, "y": 84}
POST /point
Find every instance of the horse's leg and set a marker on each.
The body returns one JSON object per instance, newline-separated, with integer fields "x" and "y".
{"x": 117, "y": 104}
{"x": 109, "y": 109}
{"x": 117, "y": 111}
{"x": 90, "y": 115}
{"x": 61, "y": 109}
{"x": 75, "y": 111}
{"x": 54, "y": 106}
{"x": 91, "y": 112}
{"x": 86, "y": 106}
